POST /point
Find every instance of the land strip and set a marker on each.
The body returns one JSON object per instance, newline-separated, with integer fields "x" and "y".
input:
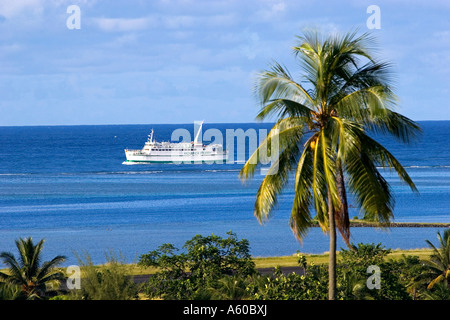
{"x": 370, "y": 224}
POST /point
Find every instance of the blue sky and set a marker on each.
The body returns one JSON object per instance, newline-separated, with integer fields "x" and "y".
{"x": 177, "y": 61}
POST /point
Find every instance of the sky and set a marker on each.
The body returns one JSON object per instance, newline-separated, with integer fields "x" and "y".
{"x": 179, "y": 61}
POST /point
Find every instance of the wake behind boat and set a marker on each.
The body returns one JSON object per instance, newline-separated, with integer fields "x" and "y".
{"x": 183, "y": 152}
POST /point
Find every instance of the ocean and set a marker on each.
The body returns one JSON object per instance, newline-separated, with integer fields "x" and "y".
{"x": 69, "y": 186}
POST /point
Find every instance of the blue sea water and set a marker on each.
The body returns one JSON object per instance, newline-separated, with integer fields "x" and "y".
{"x": 67, "y": 185}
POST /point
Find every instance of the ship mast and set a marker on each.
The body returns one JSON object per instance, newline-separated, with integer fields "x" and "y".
{"x": 196, "y": 143}
{"x": 150, "y": 139}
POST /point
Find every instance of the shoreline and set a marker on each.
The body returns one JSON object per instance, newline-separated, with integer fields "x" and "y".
{"x": 369, "y": 224}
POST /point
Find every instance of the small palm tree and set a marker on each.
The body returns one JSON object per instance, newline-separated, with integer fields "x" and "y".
{"x": 354, "y": 287}
{"x": 441, "y": 291}
{"x": 230, "y": 288}
{"x": 439, "y": 263}
{"x": 28, "y": 273}
{"x": 9, "y": 292}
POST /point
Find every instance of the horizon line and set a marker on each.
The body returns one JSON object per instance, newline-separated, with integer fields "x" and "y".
{"x": 144, "y": 124}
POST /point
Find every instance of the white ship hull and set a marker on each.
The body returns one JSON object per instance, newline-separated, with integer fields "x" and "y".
{"x": 185, "y": 152}
{"x": 136, "y": 156}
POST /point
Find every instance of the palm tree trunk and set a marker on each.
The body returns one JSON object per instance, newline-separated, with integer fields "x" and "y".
{"x": 332, "y": 254}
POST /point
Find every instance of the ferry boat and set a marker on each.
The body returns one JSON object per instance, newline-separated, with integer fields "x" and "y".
{"x": 183, "y": 152}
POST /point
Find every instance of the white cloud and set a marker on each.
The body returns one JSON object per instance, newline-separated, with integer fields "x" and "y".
{"x": 14, "y": 8}
{"x": 11, "y": 48}
{"x": 136, "y": 24}
{"x": 171, "y": 22}
{"x": 10, "y": 9}
{"x": 252, "y": 46}
{"x": 122, "y": 24}
{"x": 443, "y": 37}
{"x": 221, "y": 20}
{"x": 176, "y": 22}
{"x": 272, "y": 11}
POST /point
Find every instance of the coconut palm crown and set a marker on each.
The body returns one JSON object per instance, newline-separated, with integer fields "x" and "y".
{"x": 439, "y": 263}
{"x": 27, "y": 272}
{"x": 323, "y": 126}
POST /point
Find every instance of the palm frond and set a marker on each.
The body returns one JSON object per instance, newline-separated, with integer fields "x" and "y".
{"x": 300, "y": 219}
{"x": 319, "y": 186}
{"x": 46, "y": 268}
{"x": 15, "y": 274}
{"x": 26, "y": 271}
{"x": 379, "y": 155}
{"x": 285, "y": 108}
{"x": 329, "y": 167}
{"x": 371, "y": 190}
{"x": 276, "y": 178}
{"x": 284, "y": 133}
{"x": 279, "y": 84}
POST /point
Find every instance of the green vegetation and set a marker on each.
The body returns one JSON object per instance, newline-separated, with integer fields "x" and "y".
{"x": 291, "y": 261}
{"x": 27, "y": 278}
{"x": 111, "y": 281}
{"x": 324, "y": 123}
{"x": 323, "y": 127}
{"x": 439, "y": 264}
{"x": 401, "y": 274}
{"x": 199, "y": 272}
{"x": 212, "y": 267}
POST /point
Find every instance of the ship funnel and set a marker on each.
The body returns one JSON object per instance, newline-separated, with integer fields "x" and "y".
{"x": 150, "y": 136}
{"x": 198, "y": 132}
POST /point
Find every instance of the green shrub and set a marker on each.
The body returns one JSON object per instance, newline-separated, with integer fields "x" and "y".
{"x": 230, "y": 288}
{"x": 187, "y": 275}
{"x": 107, "y": 282}
{"x": 216, "y": 268}
{"x": 352, "y": 278}
{"x": 313, "y": 285}
{"x": 363, "y": 255}
{"x": 353, "y": 264}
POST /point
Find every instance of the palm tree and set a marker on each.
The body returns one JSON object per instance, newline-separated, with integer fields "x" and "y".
{"x": 441, "y": 292}
{"x": 27, "y": 273}
{"x": 322, "y": 128}
{"x": 439, "y": 263}
{"x": 9, "y": 292}
{"x": 230, "y": 288}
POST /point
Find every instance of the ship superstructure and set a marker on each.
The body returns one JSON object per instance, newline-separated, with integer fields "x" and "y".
{"x": 183, "y": 152}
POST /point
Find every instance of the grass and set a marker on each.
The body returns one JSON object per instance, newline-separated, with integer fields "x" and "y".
{"x": 288, "y": 261}
{"x": 291, "y": 261}
{"x": 423, "y": 254}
